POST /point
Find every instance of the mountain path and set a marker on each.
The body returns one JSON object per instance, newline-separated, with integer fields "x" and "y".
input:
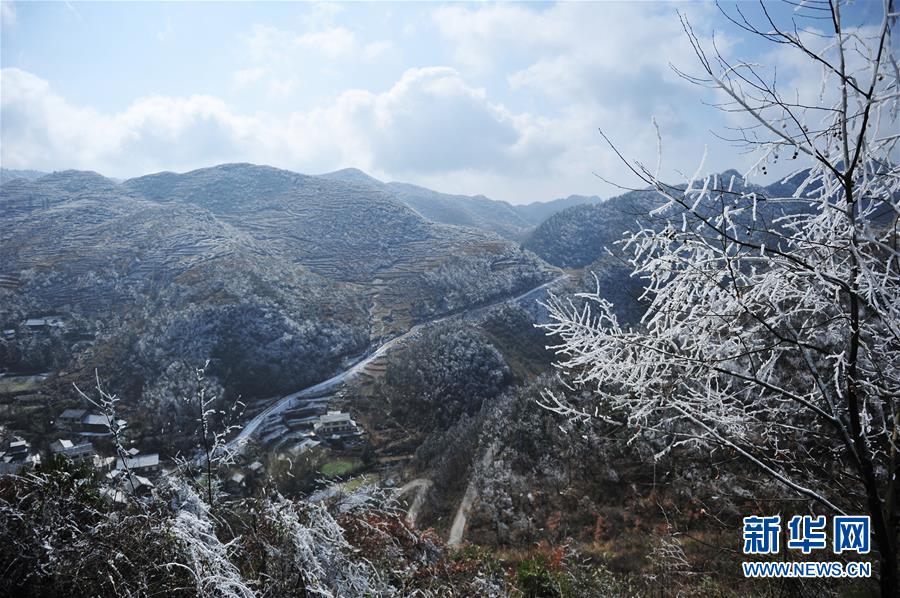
{"x": 421, "y": 485}
{"x": 462, "y": 513}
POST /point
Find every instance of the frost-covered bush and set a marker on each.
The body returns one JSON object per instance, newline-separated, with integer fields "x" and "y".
{"x": 63, "y": 532}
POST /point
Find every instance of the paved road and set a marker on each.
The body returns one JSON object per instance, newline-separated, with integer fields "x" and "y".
{"x": 325, "y": 387}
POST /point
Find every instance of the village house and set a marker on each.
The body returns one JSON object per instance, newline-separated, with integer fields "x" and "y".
{"x": 85, "y": 423}
{"x": 307, "y": 444}
{"x": 120, "y": 484}
{"x": 95, "y": 424}
{"x": 69, "y": 419}
{"x": 140, "y": 464}
{"x": 335, "y": 424}
{"x": 236, "y": 483}
{"x": 16, "y": 456}
{"x": 77, "y": 453}
{"x": 44, "y": 323}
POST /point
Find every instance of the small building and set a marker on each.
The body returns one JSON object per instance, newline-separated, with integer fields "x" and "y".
{"x": 44, "y": 323}
{"x": 16, "y": 456}
{"x": 120, "y": 485}
{"x": 144, "y": 464}
{"x": 85, "y": 423}
{"x": 306, "y": 445}
{"x": 141, "y": 485}
{"x": 335, "y": 424}
{"x": 77, "y": 453}
{"x": 94, "y": 423}
{"x": 69, "y": 419}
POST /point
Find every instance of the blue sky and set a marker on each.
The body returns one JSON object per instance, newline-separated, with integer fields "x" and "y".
{"x": 499, "y": 99}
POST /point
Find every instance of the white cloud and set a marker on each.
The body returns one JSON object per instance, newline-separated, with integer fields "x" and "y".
{"x": 429, "y": 123}
{"x": 585, "y": 66}
{"x": 43, "y": 129}
{"x": 283, "y": 88}
{"x": 242, "y": 78}
{"x": 267, "y": 43}
{"x": 376, "y": 50}
{"x": 563, "y": 72}
{"x": 323, "y": 14}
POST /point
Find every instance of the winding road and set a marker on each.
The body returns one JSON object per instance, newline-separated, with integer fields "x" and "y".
{"x": 323, "y": 388}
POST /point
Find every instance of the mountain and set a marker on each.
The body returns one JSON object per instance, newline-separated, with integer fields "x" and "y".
{"x": 477, "y": 211}
{"x": 348, "y": 229}
{"x": 276, "y": 277}
{"x": 458, "y": 210}
{"x": 462, "y": 210}
{"x": 538, "y": 211}
{"x": 585, "y": 237}
{"x": 576, "y": 236}
{"x": 7, "y": 174}
{"x": 352, "y": 175}
{"x": 142, "y": 285}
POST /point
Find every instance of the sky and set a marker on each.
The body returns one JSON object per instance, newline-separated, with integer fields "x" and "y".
{"x": 504, "y": 100}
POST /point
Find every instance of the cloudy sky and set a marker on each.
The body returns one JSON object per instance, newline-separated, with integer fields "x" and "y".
{"x": 499, "y": 99}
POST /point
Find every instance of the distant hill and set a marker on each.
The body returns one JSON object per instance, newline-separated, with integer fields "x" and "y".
{"x": 476, "y": 211}
{"x": 576, "y": 236}
{"x": 8, "y": 174}
{"x": 343, "y": 227}
{"x": 538, "y": 211}
{"x": 584, "y": 237}
{"x": 165, "y": 283}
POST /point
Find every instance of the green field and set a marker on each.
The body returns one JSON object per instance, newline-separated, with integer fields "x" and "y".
{"x": 340, "y": 467}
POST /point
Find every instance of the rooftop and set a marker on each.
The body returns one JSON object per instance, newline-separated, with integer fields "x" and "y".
{"x": 73, "y": 414}
{"x": 94, "y": 419}
{"x": 335, "y": 416}
{"x": 139, "y": 461}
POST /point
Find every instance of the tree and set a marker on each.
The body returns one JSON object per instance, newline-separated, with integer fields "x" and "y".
{"x": 773, "y": 326}
{"x": 213, "y": 449}
{"x": 107, "y": 403}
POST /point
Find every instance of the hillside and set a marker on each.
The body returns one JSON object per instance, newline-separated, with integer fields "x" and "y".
{"x": 538, "y": 211}
{"x": 576, "y": 236}
{"x": 9, "y": 174}
{"x": 142, "y": 287}
{"x": 276, "y": 277}
{"x": 354, "y": 232}
{"x": 476, "y": 211}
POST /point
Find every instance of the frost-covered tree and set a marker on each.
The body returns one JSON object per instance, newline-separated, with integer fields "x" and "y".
{"x": 773, "y": 328}
{"x": 448, "y": 372}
